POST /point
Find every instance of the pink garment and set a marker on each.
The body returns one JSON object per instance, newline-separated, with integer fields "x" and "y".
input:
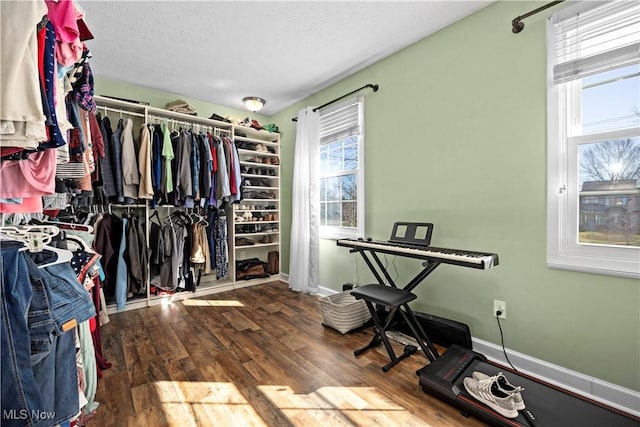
{"x": 64, "y": 16}
{"x": 34, "y": 176}
{"x": 28, "y": 205}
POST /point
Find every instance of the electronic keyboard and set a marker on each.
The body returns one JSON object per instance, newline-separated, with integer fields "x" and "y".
{"x": 464, "y": 258}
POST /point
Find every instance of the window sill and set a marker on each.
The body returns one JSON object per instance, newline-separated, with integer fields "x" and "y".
{"x": 338, "y": 236}
{"x": 608, "y": 267}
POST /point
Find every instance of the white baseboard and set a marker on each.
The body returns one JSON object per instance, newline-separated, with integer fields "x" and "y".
{"x": 607, "y": 393}
{"x": 325, "y": 292}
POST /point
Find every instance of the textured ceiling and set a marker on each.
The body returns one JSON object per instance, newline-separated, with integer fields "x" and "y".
{"x": 222, "y": 51}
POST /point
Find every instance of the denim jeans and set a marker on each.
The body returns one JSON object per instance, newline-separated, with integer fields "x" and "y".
{"x": 57, "y": 379}
{"x": 20, "y": 391}
{"x": 56, "y": 373}
{"x": 42, "y": 326}
{"x": 69, "y": 302}
{"x": 38, "y": 364}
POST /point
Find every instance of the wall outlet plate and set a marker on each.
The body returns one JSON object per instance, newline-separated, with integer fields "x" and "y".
{"x": 499, "y": 306}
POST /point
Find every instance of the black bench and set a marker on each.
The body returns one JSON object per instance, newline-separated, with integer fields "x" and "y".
{"x": 379, "y": 298}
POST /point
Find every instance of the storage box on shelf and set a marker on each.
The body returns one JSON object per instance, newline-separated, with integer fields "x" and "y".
{"x": 257, "y": 217}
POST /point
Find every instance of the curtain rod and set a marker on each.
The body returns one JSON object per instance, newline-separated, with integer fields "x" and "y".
{"x": 372, "y": 86}
{"x": 517, "y": 25}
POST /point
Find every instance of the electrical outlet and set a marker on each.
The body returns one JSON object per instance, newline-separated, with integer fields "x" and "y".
{"x": 500, "y": 306}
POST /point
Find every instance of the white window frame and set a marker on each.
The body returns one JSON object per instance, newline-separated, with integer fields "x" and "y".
{"x": 563, "y": 249}
{"x": 336, "y": 232}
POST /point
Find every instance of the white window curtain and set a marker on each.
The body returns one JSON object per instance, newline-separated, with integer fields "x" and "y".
{"x": 304, "y": 255}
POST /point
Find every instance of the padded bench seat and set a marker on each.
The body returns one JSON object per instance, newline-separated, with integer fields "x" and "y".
{"x": 397, "y": 301}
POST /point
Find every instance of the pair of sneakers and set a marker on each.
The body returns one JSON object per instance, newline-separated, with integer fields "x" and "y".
{"x": 496, "y": 392}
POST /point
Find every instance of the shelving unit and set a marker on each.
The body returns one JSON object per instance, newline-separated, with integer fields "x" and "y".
{"x": 253, "y": 148}
{"x": 257, "y": 217}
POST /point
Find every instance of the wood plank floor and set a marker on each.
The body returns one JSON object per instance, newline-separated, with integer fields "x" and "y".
{"x": 256, "y": 356}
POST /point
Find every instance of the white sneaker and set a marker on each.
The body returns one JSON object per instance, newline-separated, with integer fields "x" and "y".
{"x": 504, "y": 386}
{"x": 488, "y": 393}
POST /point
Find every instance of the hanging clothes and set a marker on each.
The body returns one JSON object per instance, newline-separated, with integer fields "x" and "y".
{"x": 185, "y": 185}
{"x": 116, "y": 151}
{"x": 137, "y": 255}
{"x": 107, "y": 170}
{"x": 223, "y": 191}
{"x": 195, "y": 167}
{"x": 145, "y": 190}
{"x": 107, "y": 243}
{"x": 130, "y": 173}
{"x": 21, "y": 110}
{"x": 222, "y": 251}
{"x": 206, "y": 162}
{"x": 122, "y": 273}
{"x": 169, "y": 268}
{"x": 166, "y": 182}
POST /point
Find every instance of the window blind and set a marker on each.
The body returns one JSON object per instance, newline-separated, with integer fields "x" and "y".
{"x": 591, "y": 38}
{"x": 340, "y": 122}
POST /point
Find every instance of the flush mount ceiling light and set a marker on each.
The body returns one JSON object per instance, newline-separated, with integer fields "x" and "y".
{"x": 253, "y": 103}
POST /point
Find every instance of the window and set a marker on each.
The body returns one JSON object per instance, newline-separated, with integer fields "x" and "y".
{"x": 342, "y": 170}
{"x": 593, "y": 187}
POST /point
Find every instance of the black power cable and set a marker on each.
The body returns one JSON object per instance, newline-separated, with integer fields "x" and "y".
{"x": 498, "y": 313}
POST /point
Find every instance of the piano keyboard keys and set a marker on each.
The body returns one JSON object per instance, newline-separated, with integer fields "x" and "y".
{"x": 481, "y": 260}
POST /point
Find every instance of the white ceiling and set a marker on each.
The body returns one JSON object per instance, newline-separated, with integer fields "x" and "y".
{"x": 282, "y": 51}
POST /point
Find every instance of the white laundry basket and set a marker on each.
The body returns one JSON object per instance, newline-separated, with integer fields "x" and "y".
{"x": 343, "y": 312}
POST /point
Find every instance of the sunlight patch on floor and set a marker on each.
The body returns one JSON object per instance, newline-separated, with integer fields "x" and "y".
{"x": 340, "y": 406}
{"x": 200, "y": 403}
{"x": 211, "y": 303}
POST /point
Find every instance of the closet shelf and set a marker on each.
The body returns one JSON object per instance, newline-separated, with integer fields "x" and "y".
{"x": 256, "y": 175}
{"x": 256, "y": 153}
{"x": 256, "y": 141}
{"x": 257, "y": 245}
{"x": 250, "y": 134}
{"x": 255, "y": 187}
{"x": 257, "y": 164}
{"x": 256, "y": 222}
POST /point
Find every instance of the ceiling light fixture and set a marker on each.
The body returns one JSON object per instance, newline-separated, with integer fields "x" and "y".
{"x": 253, "y": 103}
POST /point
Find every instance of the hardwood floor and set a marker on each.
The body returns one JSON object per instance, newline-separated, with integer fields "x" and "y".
{"x": 256, "y": 356}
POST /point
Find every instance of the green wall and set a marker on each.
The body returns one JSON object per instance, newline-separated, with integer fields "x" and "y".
{"x": 456, "y": 136}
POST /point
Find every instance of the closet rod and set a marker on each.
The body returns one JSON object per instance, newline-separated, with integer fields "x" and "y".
{"x": 180, "y": 122}
{"x": 375, "y": 88}
{"x": 517, "y": 25}
{"x": 115, "y": 110}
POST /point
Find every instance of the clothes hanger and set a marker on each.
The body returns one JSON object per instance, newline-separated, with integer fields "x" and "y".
{"x": 80, "y": 242}
{"x": 64, "y": 256}
{"x": 155, "y": 215}
{"x": 36, "y": 242}
{"x": 70, "y": 226}
{"x": 50, "y": 230}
